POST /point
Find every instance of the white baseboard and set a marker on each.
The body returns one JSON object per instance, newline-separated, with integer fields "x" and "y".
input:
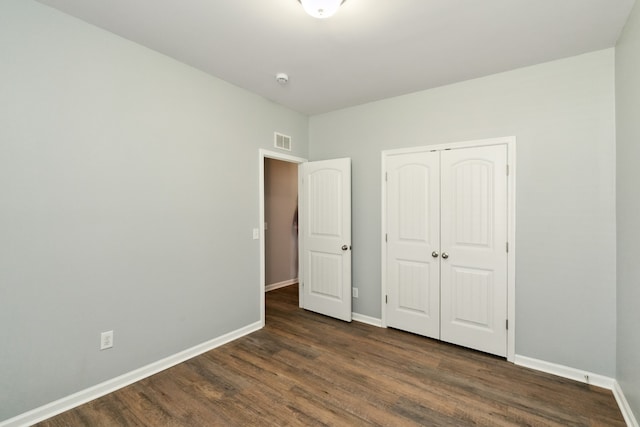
{"x": 366, "y": 319}
{"x": 565, "y": 372}
{"x": 69, "y": 402}
{"x": 627, "y": 413}
{"x": 274, "y": 286}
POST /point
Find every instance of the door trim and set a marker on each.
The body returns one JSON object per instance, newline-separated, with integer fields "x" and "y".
{"x": 262, "y": 155}
{"x": 510, "y": 142}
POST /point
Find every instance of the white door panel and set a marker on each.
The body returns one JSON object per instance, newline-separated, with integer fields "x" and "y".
{"x": 413, "y": 234}
{"x": 325, "y": 227}
{"x": 474, "y": 236}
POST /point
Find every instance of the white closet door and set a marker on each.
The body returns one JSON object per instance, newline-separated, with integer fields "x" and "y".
{"x": 473, "y": 244}
{"x": 325, "y": 227}
{"x": 413, "y": 236}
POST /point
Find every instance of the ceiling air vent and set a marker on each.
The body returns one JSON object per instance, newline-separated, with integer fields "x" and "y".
{"x": 281, "y": 141}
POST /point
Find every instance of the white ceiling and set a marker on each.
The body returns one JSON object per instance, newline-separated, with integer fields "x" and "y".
{"x": 370, "y": 50}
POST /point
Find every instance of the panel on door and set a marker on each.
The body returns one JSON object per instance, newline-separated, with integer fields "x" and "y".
{"x": 325, "y": 228}
{"x": 473, "y": 243}
{"x": 413, "y": 238}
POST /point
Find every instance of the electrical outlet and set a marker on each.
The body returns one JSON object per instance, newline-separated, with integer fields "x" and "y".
{"x": 106, "y": 340}
{"x": 355, "y": 292}
{"x": 256, "y": 234}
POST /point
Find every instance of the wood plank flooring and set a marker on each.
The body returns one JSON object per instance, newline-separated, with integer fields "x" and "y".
{"x": 304, "y": 369}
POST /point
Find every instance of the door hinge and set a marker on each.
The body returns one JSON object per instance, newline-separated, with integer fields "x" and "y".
{"x": 386, "y": 176}
{"x": 507, "y": 247}
{"x": 386, "y": 299}
{"x": 507, "y": 324}
{"x": 386, "y": 237}
{"x": 507, "y": 170}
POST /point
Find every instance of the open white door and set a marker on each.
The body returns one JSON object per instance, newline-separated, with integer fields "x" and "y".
{"x": 325, "y": 231}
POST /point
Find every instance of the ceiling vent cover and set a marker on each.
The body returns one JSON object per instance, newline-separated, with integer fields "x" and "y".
{"x": 282, "y": 141}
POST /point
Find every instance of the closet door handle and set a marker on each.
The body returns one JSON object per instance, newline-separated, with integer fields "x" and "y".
{"x": 445, "y": 255}
{"x": 435, "y": 254}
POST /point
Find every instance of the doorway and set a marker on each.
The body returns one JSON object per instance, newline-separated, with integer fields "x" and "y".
{"x": 276, "y": 276}
{"x": 280, "y": 223}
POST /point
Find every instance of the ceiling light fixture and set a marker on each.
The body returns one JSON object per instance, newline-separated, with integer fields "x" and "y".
{"x": 321, "y": 8}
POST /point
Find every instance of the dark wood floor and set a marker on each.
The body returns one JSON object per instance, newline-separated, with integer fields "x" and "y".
{"x": 304, "y": 369}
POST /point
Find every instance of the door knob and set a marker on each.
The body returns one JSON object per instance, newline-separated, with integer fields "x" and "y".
{"x": 434, "y": 254}
{"x": 345, "y": 247}
{"x": 445, "y": 255}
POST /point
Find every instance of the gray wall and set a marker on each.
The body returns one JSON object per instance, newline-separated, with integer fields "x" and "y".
{"x": 128, "y": 194}
{"x": 281, "y": 201}
{"x": 563, "y": 116}
{"x": 628, "y": 209}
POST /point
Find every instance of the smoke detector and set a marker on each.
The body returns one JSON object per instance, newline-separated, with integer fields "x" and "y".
{"x": 282, "y": 78}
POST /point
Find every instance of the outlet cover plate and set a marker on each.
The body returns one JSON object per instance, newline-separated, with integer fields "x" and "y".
{"x": 106, "y": 340}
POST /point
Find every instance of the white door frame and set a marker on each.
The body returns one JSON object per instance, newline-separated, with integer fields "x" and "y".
{"x": 510, "y": 143}
{"x": 262, "y": 155}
